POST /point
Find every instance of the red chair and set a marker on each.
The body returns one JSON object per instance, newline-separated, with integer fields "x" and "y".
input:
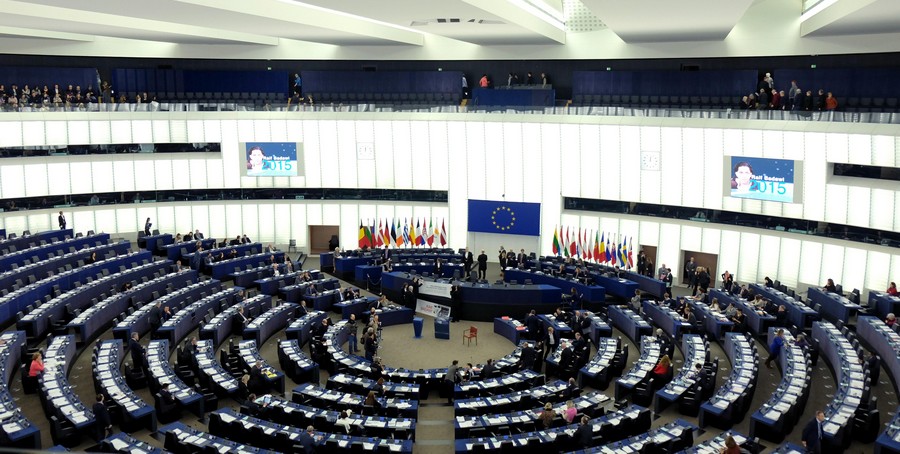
{"x": 471, "y": 333}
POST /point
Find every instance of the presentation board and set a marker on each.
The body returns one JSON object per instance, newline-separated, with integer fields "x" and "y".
{"x": 271, "y": 159}
{"x": 762, "y": 179}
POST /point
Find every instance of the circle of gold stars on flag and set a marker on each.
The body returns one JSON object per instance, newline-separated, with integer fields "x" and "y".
{"x": 507, "y": 218}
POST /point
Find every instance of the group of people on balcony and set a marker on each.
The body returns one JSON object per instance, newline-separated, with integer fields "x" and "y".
{"x": 767, "y": 97}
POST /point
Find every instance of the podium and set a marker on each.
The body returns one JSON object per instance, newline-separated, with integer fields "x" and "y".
{"x": 441, "y": 328}
{"x": 418, "y": 324}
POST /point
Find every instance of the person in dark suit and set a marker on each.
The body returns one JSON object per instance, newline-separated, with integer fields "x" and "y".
{"x": 571, "y": 389}
{"x": 379, "y": 304}
{"x": 240, "y": 321}
{"x": 502, "y": 258}
{"x": 166, "y": 395}
{"x": 62, "y": 221}
{"x": 302, "y": 309}
{"x": 521, "y": 258}
{"x": 482, "y": 265}
{"x": 579, "y": 343}
{"x": 438, "y": 267}
{"x": 534, "y": 325}
{"x": 155, "y": 317}
{"x": 104, "y": 422}
{"x": 470, "y": 260}
{"x": 147, "y": 225}
{"x": 137, "y": 352}
{"x": 488, "y": 370}
{"x": 584, "y": 434}
{"x": 566, "y": 360}
{"x": 256, "y": 384}
{"x": 527, "y": 357}
{"x": 812, "y": 433}
{"x": 455, "y": 302}
{"x": 309, "y": 440}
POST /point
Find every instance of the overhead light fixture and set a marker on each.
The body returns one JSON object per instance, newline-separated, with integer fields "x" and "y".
{"x": 353, "y": 16}
{"x": 542, "y": 11}
{"x": 816, "y": 9}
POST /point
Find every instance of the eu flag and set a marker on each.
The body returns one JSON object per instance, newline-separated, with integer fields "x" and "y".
{"x": 513, "y": 218}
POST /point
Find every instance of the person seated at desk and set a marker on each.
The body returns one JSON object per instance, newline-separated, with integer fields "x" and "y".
{"x": 690, "y": 317}
{"x": 636, "y": 302}
{"x": 561, "y": 271}
{"x": 244, "y": 240}
{"x": 187, "y": 352}
{"x": 488, "y": 370}
{"x": 745, "y": 292}
{"x": 320, "y": 329}
{"x": 740, "y": 321}
{"x": 570, "y": 411}
{"x": 275, "y": 271}
{"x": 829, "y": 286}
{"x": 344, "y": 420}
{"x": 546, "y": 416}
{"x": 672, "y": 303}
{"x": 579, "y": 274}
{"x": 302, "y": 310}
{"x": 372, "y": 400}
{"x": 731, "y": 446}
{"x": 571, "y": 390}
{"x": 166, "y": 395}
{"x": 236, "y": 241}
{"x": 694, "y": 374}
{"x": 178, "y": 238}
{"x": 662, "y": 369}
{"x": 311, "y": 290}
{"x": 890, "y": 320}
{"x": 37, "y": 365}
{"x": 304, "y": 277}
{"x": 379, "y": 304}
{"x": 892, "y": 290}
{"x": 769, "y": 283}
{"x": 92, "y": 259}
{"x": 376, "y": 370}
{"x": 781, "y": 316}
{"x": 770, "y": 307}
{"x": 351, "y": 294}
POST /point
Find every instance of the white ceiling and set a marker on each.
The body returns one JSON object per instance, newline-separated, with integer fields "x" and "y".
{"x": 442, "y": 29}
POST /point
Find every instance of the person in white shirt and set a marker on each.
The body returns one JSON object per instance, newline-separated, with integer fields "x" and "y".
{"x": 344, "y": 420}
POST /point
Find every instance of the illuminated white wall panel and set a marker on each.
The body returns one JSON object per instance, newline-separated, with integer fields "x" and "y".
{"x": 178, "y": 131}
{"x": 833, "y": 264}
{"x": 589, "y": 165}
{"x": 100, "y": 133}
{"x": 103, "y": 176}
{"x": 517, "y": 174}
{"x": 41, "y": 222}
{"x": 836, "y": 146}
{"x": 299, "y": 225}
{"x": 882, "y": 215}
{"x": 836, "y": 203}
{"x": 440, "y": 154}
{"x": 768, "y": 257}
{"x": 120, "y": 131}
{"x": 82, "y": 177}
{"x": 266, "y": 219}
{"x": 218, "y": 225}
{"x": 250, "y": 221}
{"x": 810, "y": 270}
{"x": 403, "y": 154}
{"x": 344, "y": 151}
{"x": 878, "y": 271}
{"x": 184, "y": 221}
{"x": 630, "y": 163}
{"x": 748, "y": 269}
{"x": 729, "y": 252}
{"x": 670, "y": 160}
{"x": 57, "y": 132}
{"x": 161, "y": 130}
{"x": 145, "y": 177}
{"x": 212, "y": 131}
{"x": 884, "y": 151}
{"x": 384, "y": 154}
{"x": 421, "y": 155}
{"x": 126, "y": 221}
{"x": 33, "y": 133}
{"x": 164, "y": 177}
{"x": 859, "y": 149}
{"x": 10, "y": 134}
{"x": 36, "y": 175}
{"x": 788, "y": 261}
{"x": 78, "y": 132}
{"x": 693, "y": 155}
{"x": 165, "y": 218}
{"x": 123, "y": 174}
{"x": 105, "y": 220}
{"x": 570, "y": 158}
{"x": 142, "y": 131}
{"x": 854, "y": 275}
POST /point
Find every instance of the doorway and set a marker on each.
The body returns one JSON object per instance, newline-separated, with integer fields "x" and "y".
{"x": 708, "y": 261}
{"x": 650, "y": 253}
{"x": 320, "y": 236}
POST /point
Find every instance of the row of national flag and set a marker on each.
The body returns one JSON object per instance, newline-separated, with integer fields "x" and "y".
{"x": 408, "y": 233}
{"x": 600, "y": 247}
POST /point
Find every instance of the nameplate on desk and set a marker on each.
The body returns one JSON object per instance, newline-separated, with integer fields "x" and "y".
{"x": 435, "y": 289}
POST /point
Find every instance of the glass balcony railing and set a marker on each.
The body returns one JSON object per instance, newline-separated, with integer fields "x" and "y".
{"x": 855, "y": 115}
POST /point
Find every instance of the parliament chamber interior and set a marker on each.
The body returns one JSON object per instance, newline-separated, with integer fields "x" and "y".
{"x": 577, "y": 226}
